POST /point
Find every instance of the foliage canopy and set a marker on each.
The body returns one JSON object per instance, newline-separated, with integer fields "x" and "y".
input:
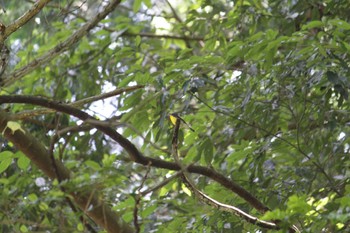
{"x": 88, "y": 87}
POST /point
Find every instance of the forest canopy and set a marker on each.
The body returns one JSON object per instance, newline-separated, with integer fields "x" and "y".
{"x": 258, "y": 93}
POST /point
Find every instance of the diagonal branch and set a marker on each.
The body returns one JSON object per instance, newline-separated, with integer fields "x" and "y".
{"x": 25, "y": 114}
{"x": 100, "y": 212}
{"x": 185, "y": 176}
{"x": 61, "y": 47}
{"x": 134, "y": 153}
{"x": 36, "y": 8}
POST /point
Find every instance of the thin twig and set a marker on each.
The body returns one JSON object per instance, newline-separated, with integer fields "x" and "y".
{"x": 162, "y": 184}
{"x": 59, "y": 178}
{"x": 79, "y": 103}
{"x": 179, "y": 20}
{"x": 315, "y": 163}
{"x": 212, "y": 202}
{"x": 138, "y": 198}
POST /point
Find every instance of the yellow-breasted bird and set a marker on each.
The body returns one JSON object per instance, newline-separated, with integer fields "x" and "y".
{"x": 174, "y": 117}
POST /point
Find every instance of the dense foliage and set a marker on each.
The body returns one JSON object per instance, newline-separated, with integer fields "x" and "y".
{"x": 265, "y": 85}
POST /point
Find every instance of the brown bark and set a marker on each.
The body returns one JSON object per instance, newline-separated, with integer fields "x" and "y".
{"x": 88, "y": 201}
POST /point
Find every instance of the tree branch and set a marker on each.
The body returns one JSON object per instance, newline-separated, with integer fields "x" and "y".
{"x": 25, "y": 114}
{"x": 61, "y": 47}
{"x": 185, "y": 176}
{"x": 36, "y": 8}
{"x": 39, "y": 155}
{"x": 133, "y": 152}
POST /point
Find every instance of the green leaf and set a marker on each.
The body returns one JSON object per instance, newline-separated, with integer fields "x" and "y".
{"x": 92, "y": 164}
{"x": 129, "y": 202}
{"x": 344, "y": 201}
{"x": 137, "y": 5}
{"x": 192, "y": 155}
{"x": 4, "y": 181}
{"x": 4, "y": 164}
{"x": 138, "y": 41}
{"x": 271, "y": 34}
{"x": 298, "y": 205}
{"x": 128, "y": 216}
{"x": 108, "y": 160}
{"x": 23, "y": 229}
{"x": 313, "y": 24}
{"x": 5, "y": 155}
{"x": 237, "y": 50}
{"x": 149, "y": 210}
{"x": 23, "y": 162}
{"x": 32, "y": 197}
{"x": 276, "y": 214}
{"x": 132, "y": 100}
{"x": 142, "y": 78}
{"x": 80, "y": 227}
{"x": 126, "y": 81}
{"x": 207, "y": 150}
{"x": 163, "y": 191}
{"x": 340, "y": 24}
{"x": 148, "y": 3}
{"x": 43, "y": 206}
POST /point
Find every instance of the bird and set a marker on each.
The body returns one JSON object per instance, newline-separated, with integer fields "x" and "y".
{"x": 174, "y": 117}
